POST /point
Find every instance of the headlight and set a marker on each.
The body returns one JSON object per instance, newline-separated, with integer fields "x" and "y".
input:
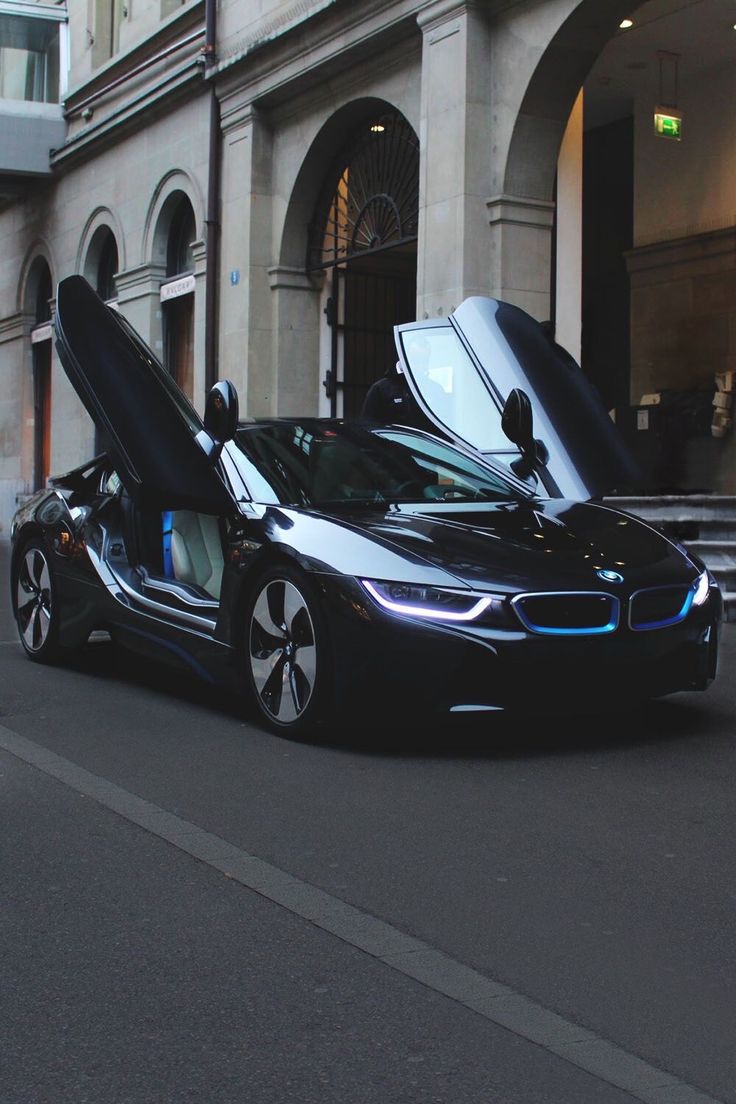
{"x": 426, "y": 601}
{"x": 702, "y": 589}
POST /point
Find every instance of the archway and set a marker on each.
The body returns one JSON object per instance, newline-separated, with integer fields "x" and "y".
{"x": 655, "y": 220}
{"x": 175, "y": 235}
{"x": 101, "y": 262}
{"x": 363, "y": 234}
{"x": 39, "y": 292}
{"x": 658, "y": 240}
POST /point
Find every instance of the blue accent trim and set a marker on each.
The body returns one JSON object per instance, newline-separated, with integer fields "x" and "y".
{"x": 554, "y": 630}
{"x": 684, "y": 611}
{"x": 545, "y": 630}
{"x": 195, "y": 665}
{"x": 167, "y": 521}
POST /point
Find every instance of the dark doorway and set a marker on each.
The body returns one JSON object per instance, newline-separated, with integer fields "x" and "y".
{"x": 41, "y": 413}
{"x": 107, "y": 267}
{"x": 41, "y": 352}
{"x": 365, "y": 232}
{"x": 608, "y": 228}
{"x": 179, "y": 325}
{"x": 376, "y": 293}
{"x": 178, "y": 312}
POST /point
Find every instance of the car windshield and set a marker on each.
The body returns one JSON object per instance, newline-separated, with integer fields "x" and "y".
{"x": 313, "y": 463}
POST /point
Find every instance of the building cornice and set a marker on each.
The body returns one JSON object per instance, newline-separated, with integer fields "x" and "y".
{"x": 15, "y": 326}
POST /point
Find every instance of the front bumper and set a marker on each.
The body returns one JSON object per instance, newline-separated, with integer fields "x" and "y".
{"x": 384, "y": 661}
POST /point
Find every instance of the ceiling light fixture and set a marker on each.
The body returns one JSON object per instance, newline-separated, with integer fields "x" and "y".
{"x": 625, "y": 24}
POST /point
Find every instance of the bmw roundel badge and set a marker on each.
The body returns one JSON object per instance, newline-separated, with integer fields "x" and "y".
{"x": 609, "y": 576}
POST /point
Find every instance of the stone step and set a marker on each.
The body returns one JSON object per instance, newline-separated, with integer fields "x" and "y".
{"x": 693, "y": 506}
{"x": 705, "y": 524}
{"x": 729, "y": 605}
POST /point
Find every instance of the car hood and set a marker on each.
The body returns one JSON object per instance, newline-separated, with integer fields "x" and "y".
{"x": 536, "y": 545}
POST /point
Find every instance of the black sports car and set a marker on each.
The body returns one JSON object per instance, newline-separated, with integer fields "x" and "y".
{"x": 330, "y": 567}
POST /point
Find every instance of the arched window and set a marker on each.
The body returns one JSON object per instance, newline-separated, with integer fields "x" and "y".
{"x": 178, "y": 307}
{"x": 179, "y": 256}
{"x": 43, "y": 295}
{"x": 107, "y": 266}
{"x": 370, "y": 197}
{"x": 41, "y": 351}
{"x": 365, "y": 231}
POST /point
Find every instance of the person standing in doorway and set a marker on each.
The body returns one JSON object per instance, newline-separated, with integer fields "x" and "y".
{"x": 389, "y": 399}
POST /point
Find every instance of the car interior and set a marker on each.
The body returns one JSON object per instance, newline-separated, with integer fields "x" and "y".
{"x": 180, "y": 545}
{"x": 195, "y": 547}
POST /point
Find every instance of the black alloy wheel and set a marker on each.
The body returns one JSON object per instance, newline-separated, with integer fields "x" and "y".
{"x": 34, "y": 603}
{"x": 286, "y": 652}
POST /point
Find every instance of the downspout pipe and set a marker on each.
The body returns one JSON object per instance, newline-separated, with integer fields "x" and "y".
{"x": 212, "y": 220}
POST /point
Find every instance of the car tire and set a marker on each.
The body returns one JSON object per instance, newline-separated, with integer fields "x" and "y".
{"x": 35, "y": 603}
{"x": 287, "y": 653}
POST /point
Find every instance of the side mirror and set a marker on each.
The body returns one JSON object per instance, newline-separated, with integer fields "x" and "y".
{"x": 517, "y": 422}
{"x": 221, "y": 412}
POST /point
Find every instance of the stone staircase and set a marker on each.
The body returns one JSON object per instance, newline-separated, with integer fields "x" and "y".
{"x": 704, "y": 523}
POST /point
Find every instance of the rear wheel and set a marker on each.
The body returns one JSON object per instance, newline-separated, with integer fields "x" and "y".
{"x": 35, "y": 604}
{"x": 286, "y": 653}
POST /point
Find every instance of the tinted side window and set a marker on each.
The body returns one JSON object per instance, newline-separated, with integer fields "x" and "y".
{"x": 452, "y": 388}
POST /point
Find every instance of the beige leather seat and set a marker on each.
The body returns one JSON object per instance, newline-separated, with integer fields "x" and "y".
{"x": 196, "y": 550}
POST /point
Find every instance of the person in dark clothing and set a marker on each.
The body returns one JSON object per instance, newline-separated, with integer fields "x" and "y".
{"x": 390, "y": 400}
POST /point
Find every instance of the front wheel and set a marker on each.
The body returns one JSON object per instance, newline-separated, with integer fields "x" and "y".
{"x": 35, "y": 604}
{"x": 286, "y": 653}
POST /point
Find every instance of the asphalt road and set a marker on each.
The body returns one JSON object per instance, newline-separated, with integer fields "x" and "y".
{"x": 492, "y": 913}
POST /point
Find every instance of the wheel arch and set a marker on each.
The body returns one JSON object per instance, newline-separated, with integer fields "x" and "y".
{"x": 28, "y": 530}
{"x": 268, "y": 557}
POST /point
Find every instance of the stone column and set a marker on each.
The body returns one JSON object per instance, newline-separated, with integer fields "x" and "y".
{"x": 455, "y": 155}
{"x": 16, "y": 415}
{"x": 246, "y": 315}
{"x": 296, "y": 340}
{"x": 139, "y": 299}
{"x": 520, "y": 251}
{"x": 199, "y": 256}
{"x": 569, "y": 253}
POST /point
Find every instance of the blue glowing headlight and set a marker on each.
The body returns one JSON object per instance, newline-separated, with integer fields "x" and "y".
{"x": 427, "y": 601}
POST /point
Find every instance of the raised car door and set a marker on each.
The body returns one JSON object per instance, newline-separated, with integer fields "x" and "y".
{"x": 149, "y": 427}
{"x": 462, "y": 368}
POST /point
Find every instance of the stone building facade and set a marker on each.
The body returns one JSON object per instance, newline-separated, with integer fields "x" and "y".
{"x": 264, "y": 187}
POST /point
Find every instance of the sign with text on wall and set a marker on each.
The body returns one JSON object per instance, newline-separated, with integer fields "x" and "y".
{"x": 668, "y": 123}
{"x": 184, "y": 285}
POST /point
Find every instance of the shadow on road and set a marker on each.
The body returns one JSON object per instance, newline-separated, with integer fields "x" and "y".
{"x": 682, "y": 717}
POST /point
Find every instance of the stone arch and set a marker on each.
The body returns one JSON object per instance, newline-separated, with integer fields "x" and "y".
{"x": 348, "y": 298}
{"x": 37, "y": 264}
{"x": 167, "y": 198}
{"x": 36, "y": 291}
{"x": 545, "y": 102}
{"x": 100, "y": 228}
{"x": 331, "y": 138}
{"x": 550, "y": 54}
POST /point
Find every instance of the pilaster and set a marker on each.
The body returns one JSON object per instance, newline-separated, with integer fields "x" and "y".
{"x": 455, "y": 155}
{"x": 520, "y": 251}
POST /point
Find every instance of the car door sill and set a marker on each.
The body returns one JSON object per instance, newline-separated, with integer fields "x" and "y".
{"x": 131, "y": 596}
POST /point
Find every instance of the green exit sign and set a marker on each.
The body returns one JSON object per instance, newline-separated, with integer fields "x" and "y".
{"x": 668, "y": 124}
